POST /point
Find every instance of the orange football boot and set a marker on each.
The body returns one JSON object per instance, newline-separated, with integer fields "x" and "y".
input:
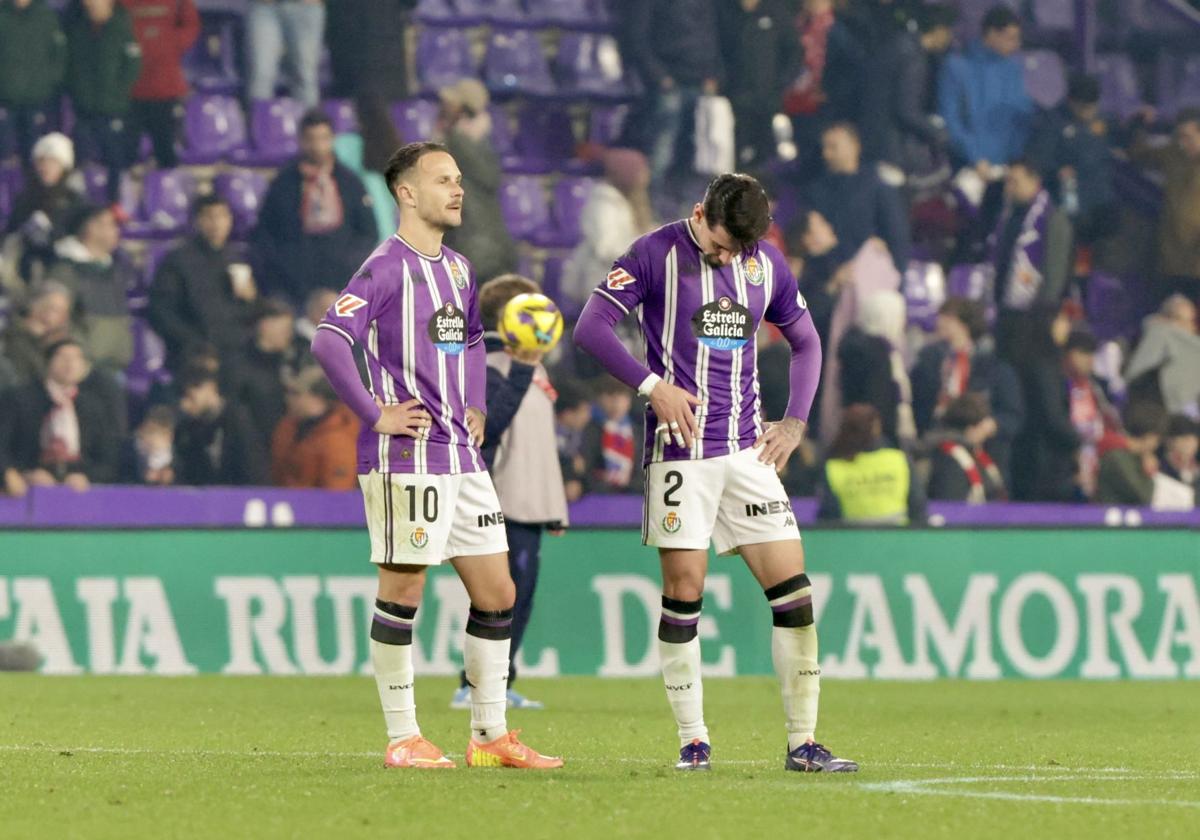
{"x": 509, "y": 752}
{"x": 417, "y": 753}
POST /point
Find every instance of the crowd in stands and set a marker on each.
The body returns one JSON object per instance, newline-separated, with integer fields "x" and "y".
{"x": 998, "y": 321}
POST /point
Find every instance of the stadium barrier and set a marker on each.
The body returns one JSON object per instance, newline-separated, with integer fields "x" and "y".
{"x": 891, "y": 604}
{"x": 266, "y": 507}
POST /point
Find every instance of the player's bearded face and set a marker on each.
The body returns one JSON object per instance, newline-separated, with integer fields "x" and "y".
{"x": 439, "y": 192}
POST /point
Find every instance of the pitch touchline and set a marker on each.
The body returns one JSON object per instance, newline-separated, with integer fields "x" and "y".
{"x": 926, "y": 787}
{"x": 1052, "y": 769}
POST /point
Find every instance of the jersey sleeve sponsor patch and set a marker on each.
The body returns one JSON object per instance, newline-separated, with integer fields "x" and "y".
{"x": 347, "y": 305}
{"x": 619, "y": 278}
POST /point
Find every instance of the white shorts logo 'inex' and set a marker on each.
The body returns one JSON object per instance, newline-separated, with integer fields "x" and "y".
{"x": 347, "y": 305}
{"x": 619, "y": 278}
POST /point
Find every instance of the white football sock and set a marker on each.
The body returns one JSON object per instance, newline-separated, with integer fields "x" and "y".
{"x": 685, "y": 692}
{"x": 794, "y": 651}
{"x": 486, "y": 662}
{"x": 394, "y": 678}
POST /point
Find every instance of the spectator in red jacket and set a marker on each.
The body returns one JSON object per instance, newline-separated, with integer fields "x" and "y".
{"x": 165, "y": 30}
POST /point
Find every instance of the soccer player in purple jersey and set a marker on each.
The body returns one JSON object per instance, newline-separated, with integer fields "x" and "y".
{"x": 700, "y": 288}
{"x": 412, "y": 309}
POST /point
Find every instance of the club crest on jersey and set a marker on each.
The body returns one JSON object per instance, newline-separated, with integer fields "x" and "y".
{"x": 672, "y": 522}
{"x": 419, "y": 538}
{"x": 448, "y": 329}
{"x": 723, "y": 324}
{"x": 619, "y": 278}
{"x": 753, "y": 272}
{"x": 347, "y": 305}
{"x": 456, "y": 274}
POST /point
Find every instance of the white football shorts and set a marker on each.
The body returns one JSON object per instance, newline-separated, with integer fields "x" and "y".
{"x": 423, "y": 519}
{"x": 732, "y": 500}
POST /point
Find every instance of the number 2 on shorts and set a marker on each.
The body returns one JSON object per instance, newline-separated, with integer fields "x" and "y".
{"x": 677, "y": 477}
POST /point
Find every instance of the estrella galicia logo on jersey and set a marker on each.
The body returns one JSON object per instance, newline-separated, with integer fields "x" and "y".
{"x": 347, "y": 305}
{"x": 723, "y": 324}
{"x": 460, "y": 280}
{"x": 753, "y": 272}
{"x": 619, "y": 278}
{"x": 672, "y": 522}
{"x": 448, "y": 329}
{"x": 419, "y": 538}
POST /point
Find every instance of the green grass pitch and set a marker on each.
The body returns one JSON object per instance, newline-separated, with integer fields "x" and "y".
{"x": 297, "y": 757}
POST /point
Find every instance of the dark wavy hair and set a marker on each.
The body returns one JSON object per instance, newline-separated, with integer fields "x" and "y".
{"x": 739, "y": 204}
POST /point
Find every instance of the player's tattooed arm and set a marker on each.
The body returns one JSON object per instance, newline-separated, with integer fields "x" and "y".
{"x": 475, "y": 425}
{"x": 407, "y": 418}
{"x": 780, "y": 440}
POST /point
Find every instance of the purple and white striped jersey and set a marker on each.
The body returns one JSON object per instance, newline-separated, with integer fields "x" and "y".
{"x": 415, "y": 317}
{"x": 698, "y": 327}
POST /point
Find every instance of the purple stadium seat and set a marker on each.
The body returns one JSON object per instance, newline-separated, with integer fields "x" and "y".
{"x": 1045, "y": 77}
{"x": 589, "y": 64}
{"x": 8, "y": 138}
{"x": 166, "y": 198}
{"x": 1119, "y": 92}
{"x": 570, "y": 195}
{"x": 573, "y": 13}
{"x": 1054, "y": 15}
{"x": 551, "y": 282}
{"x": 12, "y": 180}
{"x": 516, "y": 64}
{"x": 924, "y": 293}
{"x": 343, "y": 114}
{"x": 213, "y": 126}
{"x": 606, "y": 124}
{"x": 95, "y": 183}
{"x": 415, "y": 119}
{"x": 971, "y": 14}
{"x": 244, "y": 190}
{"x": 211, "y": 64}
{"x": 274, "y": 133}
{"x": 435, "y": 12}
{"x": 1111, "y": 310}
{"x": 503, "y": 12}
{"x": 502, "y": 131}
{"x": 545, "y": 139}
{"x": 524, "y": 207}
{"x": 1187, "y": 91}
{"x": 970, "y": 280}
{"x": 152, "y": 260}
{"x": 443, "y": 57}
{"x": 149, "y": 357}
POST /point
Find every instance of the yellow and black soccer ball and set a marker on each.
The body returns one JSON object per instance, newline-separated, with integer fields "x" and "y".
{"x": 531, "y": 321}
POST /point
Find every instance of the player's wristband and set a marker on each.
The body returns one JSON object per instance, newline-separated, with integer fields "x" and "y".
{"x": 648, "y": 384}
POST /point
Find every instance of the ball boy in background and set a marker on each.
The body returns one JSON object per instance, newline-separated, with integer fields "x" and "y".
{"x": 525, "y": 470}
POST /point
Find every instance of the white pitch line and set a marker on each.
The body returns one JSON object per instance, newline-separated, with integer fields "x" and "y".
{"x": 925, "y": 787}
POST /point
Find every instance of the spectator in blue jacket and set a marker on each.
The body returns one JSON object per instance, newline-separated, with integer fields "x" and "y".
{"x": 982, "y": 95}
